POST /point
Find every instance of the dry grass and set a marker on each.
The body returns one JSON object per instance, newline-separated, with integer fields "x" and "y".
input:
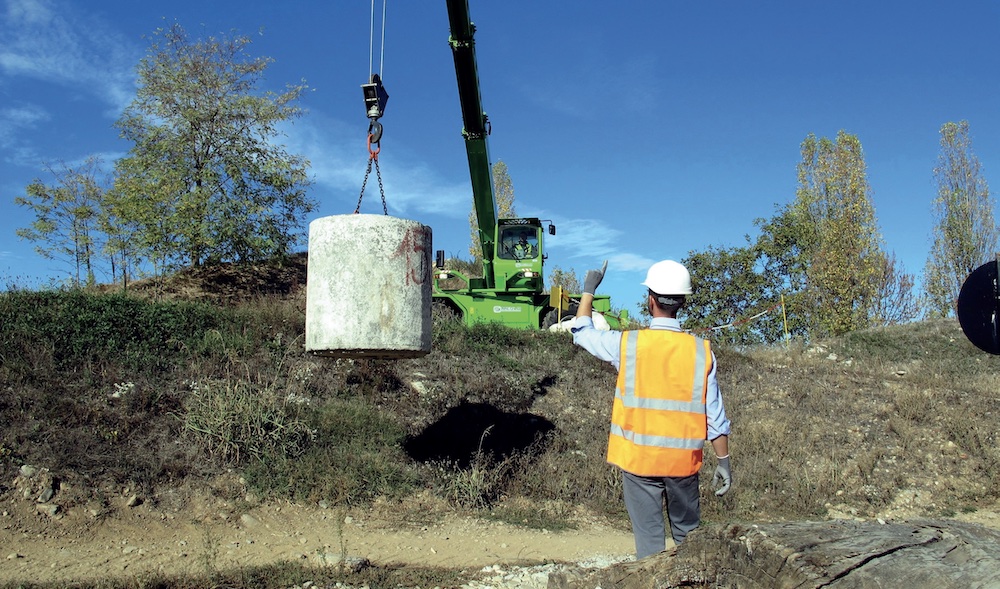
{"x": 863, "y": 424}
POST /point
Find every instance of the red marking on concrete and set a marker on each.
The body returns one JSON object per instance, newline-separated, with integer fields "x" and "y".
{"x": 418, "y": 269}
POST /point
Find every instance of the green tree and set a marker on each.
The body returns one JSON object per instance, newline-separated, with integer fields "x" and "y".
{"x": 565, "y": 279}
{"x": 965, "y": 234}
{"x": 732, "y": 297}
{"x": 818, "y": 266}
{"x": 135, "y": 228}
{"x": 503, "y": 194}
{"x": 783, "y": 258}
{"x": 842, "y": 241}
{"x": 204, "y": 181}
{"x": 66, "y": 217}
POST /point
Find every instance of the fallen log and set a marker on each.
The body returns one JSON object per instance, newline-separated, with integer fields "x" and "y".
{"x": 932, "y": 554}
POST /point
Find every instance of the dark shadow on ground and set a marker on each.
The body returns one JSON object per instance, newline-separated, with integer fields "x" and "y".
{"x": 472, "y": 427}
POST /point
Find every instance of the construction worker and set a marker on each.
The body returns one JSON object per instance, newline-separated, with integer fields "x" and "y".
{"x": 523, "y": 249}
{"x": 667, "y": 403}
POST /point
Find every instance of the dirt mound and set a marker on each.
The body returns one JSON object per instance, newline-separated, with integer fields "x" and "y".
{"x": 227, "y": 283}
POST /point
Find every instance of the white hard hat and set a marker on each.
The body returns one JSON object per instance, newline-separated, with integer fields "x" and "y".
{"x": 668, "y": 278}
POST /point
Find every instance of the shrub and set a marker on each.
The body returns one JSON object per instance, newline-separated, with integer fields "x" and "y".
{"x": 77, "y": 330}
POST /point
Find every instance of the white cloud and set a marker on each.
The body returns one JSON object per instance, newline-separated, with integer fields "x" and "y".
{"x": 23, "y": 116}
{"x": 586, "y": 237}
{"x": 55, "y": 42}
{"x": 423, "y": 191}
{"x": 59, "y": 43}
{"x": 29, "y": 11}
{"x": 17, "y": 118}
{"x": 21, "y": 156}
{"x": 592, "y": 84}
{"x": 14, "y": 120}
{"x": 630, "y": 262}
{"x": 411, "y": 186}
{"x": 106, "y": 160}
{"x": 594, "y": 240}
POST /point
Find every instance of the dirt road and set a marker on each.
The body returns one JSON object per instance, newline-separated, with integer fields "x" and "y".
{"x": 206, "y": 534}
{"x": 201, "y": 532}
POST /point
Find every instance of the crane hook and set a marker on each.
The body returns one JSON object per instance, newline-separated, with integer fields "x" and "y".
{"x": 374, "y": 132}
{"x": 375, "y": 100}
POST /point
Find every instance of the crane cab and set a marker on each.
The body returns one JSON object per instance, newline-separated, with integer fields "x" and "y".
{"x": 518, "y": 259}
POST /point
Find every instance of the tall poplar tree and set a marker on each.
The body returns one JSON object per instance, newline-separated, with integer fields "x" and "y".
{"x": 205, "y": 181}
{"x": 817, "y": 268}
{"x": 965, "y": 234}
{"x": 847, "y": 264}
{"x": 503, "y": 194}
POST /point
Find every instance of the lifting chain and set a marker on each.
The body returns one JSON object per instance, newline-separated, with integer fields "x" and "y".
{"x": 375, "y": 100}
{"x": 373, "y": 158}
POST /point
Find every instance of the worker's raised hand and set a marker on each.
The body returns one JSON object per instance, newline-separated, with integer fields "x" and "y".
{"x": 593, "y": 279}
{"x": 723, "y": 475}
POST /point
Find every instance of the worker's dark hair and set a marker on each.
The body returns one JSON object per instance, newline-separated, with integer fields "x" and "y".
{"x": 668, "y": 303}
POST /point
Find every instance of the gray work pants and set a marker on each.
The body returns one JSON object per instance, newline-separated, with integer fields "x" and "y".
{"x": 644, "y": 502}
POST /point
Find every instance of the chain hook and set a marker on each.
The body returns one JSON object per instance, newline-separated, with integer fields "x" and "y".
{"x": 375, "y": 100}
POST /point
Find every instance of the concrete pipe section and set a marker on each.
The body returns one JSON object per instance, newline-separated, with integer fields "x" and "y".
{"x": 368, "y": 287}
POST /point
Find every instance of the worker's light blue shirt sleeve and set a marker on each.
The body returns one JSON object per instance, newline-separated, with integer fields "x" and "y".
{"x": 718, "y": 423}
{"x": 606, "y": 345}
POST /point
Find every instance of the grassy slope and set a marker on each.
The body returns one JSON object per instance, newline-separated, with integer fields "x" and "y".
{"x": 148, "y": 392}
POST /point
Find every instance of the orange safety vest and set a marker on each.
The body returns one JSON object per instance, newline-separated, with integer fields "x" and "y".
{"x": 658, "y": 422}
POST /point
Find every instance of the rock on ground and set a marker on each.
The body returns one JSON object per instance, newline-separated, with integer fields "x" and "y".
{"x": 861, "y": 555}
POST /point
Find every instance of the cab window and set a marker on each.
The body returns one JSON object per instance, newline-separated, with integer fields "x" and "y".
{"x": 518, "y": 243}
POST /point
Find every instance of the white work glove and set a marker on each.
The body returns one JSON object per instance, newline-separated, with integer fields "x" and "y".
{"x": 723, "y": 474}
{"x": 593, "y": 279}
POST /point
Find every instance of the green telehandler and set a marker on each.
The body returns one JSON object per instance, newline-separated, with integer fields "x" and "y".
{"x": 511, "y": 290}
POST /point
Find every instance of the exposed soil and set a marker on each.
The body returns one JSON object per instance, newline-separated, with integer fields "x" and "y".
{"x": 204, "y": 533}
{"x": 208, "y": 534}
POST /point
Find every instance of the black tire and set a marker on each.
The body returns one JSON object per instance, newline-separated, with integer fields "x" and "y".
{"x": 552, "y": 317}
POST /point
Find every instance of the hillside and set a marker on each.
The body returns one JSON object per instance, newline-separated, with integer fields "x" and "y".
{"x": 187, "y": 409}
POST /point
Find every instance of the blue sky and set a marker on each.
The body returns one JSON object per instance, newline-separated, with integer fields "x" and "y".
{"x": 643, "y": 130}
